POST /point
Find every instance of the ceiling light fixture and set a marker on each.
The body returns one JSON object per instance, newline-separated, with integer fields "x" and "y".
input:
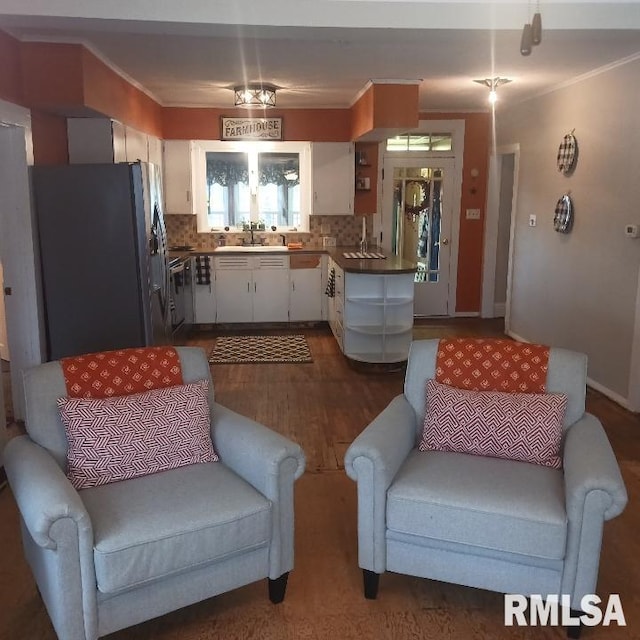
{"x": 493, "y": 84}
{"x": 536, "y": 28}
{"x": 255, "y": 95}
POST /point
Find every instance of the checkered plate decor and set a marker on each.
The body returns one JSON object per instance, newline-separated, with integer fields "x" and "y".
{"x": 259, "y": 349}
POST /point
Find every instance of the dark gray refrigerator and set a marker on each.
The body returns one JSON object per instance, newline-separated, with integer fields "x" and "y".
{"x": 103, "y": 252}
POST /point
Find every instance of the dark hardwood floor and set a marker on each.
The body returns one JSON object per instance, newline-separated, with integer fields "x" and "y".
{"x": 324, "y": 405}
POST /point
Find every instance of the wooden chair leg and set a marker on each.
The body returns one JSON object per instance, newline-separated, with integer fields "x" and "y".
{"x": 371, "y": 581}
{"x": 277, "y": 588}
{"x": 573, "y": 631}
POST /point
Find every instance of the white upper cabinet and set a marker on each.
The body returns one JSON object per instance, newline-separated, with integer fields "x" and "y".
{"x": 98, "y": 140}
{"x": 333, "y": 178}
{"x": 155, "y": 151}
{"x": 95, "y": 140}
{"x": 179, "y": 176}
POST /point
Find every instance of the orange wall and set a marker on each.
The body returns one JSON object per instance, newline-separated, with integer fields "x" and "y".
{"x": 319, "y": 125}
{"x": 477, "y": 140}
{"x": 68, "y": 79}
{"x": 10, "y": 86}
{"x": 110, "y": 94}
{"x": 49, "y": 138}
{"x": 385, "y": 106}
{"x": 52, "y": 75}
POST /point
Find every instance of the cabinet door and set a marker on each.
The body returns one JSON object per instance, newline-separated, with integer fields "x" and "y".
{"x": 305, "y": 296}
{"x": 270, "y": 295}
{"x": 136, "y": 145}
{"x": 333, "y": 178}
{"x": 205, "y": 304}
{"x": 90, "y": 140}
{"x": 178, "y": 177}
{"x": 234, "y": 295}
{"x": 155, "y": 151}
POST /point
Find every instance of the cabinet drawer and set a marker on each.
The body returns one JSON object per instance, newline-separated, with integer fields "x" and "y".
{"x": 305, "y": 261}
{"x": 233, "y": 262}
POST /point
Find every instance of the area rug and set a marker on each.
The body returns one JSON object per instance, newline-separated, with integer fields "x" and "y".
{"x": 259, "y": 349}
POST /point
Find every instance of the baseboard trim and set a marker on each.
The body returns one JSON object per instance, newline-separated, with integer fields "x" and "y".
{"x": 605, "y": 391}
{"x": 466, "y": 314}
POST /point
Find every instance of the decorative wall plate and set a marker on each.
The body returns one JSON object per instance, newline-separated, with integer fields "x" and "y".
{"x": 563, "y": 218}
{"x": 567, "y": 154}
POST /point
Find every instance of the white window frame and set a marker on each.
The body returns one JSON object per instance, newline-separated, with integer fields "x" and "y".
{"x": 303, "y": 149}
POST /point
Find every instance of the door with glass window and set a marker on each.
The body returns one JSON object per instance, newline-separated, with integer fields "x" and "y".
{"x": 417, "y": 216}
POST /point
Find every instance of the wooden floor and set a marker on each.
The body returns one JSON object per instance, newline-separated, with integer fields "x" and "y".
{"x": 323, "y": 406}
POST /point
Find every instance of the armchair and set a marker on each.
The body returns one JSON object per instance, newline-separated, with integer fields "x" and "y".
{"x": 111, "y": 556}
{"x": 488, "y": 522}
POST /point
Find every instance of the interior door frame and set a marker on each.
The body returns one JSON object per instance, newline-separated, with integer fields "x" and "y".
{"x": 491, "y": 231}
{"x": 457, "y": 129}
{"x": 18, "y": 248}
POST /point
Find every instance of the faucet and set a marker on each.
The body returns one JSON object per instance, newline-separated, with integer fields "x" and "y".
{"x": 284, "y": 239}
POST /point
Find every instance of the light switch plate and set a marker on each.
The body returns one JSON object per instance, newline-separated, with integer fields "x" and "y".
{"x": 631, "y": 230}
{"x": 473, "y": 214}
{"x": 533, "y": 220}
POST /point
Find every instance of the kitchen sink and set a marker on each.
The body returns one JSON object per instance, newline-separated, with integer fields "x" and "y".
{"x": 256, "y": 248}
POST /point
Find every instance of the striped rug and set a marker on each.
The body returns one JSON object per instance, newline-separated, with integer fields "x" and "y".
{"x": 260, "y": 349}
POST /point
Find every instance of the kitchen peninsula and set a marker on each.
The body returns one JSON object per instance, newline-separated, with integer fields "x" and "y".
{"x": 369, "y": 301}
{"x": 370, "y": 309}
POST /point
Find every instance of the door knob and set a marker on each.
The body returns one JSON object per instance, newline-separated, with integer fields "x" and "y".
{"x": 445, "y": 241}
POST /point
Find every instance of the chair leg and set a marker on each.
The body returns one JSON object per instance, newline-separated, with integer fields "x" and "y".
{"x": 573, "y": 631}
{"x": 277, "y": 588}
{"x": 371, "y": 581}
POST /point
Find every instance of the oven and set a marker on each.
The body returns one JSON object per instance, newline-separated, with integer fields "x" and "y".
{"x": 181, "y": 296}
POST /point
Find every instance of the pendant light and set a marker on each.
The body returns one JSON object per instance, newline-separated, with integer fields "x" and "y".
{"x": 526, "y": 43}
{"x": 536, "y": 28}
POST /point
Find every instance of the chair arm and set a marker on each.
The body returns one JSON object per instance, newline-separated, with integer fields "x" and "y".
{"x": 386, "y": 442}
{"x": 253, "y": 451}
{"x": 590, "y": 465}
{"x": 594, "y": 492}
{"x": 42, "y": 491}
{"x": 373, "y": 460}
{"x": 271, "y": 464}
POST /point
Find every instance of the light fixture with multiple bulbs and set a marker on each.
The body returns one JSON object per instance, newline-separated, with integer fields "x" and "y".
{"x": 493, "y": 84}
{"x": 257, "y": 94}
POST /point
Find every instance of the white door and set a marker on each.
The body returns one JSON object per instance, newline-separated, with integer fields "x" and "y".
{"x": 270, "y": 295}
{"x": 234, "y": 295}
{"x": 417, "y": 200}
{"x": 305, "y": 297}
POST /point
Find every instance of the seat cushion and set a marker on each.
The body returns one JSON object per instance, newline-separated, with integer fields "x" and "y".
{"x": 480, "y": 501}
{"x": 169, "y": 522}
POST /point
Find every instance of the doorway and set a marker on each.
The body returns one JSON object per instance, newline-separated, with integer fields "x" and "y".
{"x": 418, "y": 211}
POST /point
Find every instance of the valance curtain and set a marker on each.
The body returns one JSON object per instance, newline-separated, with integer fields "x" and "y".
{"x": 229, "y": 172}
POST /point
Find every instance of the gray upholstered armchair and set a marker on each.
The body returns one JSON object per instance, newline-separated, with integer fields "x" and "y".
{"x": 497, "y": 524}
{"x": 111, "y": 556}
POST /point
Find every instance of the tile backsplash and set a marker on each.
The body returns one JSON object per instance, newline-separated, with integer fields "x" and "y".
{"x": 182, "y": 230}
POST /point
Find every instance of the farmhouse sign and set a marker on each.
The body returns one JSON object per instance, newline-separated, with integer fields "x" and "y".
{"x": 250, "y": 128}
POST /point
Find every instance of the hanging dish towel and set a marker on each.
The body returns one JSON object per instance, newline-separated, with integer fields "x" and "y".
{"x": 203, "y": 270}
{"x": 331, "y": 284}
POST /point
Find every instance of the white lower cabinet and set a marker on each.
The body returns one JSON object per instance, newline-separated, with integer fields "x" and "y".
{"x": 252, "y": 288}
{"x": 204, "y": 304}
{"x": 305, "y": 288}
{"x": 371, "y": 315}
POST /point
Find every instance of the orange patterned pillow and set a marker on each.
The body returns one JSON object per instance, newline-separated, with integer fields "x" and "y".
{"x": 492, "y": 364}
{"x": 122, "y": 372}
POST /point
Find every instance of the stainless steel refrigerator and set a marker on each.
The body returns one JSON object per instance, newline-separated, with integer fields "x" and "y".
{"x": 103, "y": 251}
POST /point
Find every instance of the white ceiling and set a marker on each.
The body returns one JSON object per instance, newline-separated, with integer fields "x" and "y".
{"x": 321, "y": 53}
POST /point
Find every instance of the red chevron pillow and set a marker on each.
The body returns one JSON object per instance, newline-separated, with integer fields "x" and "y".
{"x": 122, "y": 437}
{"x": 519, "y": 426}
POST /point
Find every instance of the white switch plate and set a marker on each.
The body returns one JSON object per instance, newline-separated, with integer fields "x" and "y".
{"x": 473, "y": 214}
{"x": 533, "y": 220}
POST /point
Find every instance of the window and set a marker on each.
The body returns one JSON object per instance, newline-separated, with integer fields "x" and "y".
{"x": 254, "y": 182}
{"x": 420, "y": 142}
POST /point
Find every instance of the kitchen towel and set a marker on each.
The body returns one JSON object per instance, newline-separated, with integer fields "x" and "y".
{"x": 203, "y": 270}
{"x": 330, "y": 291}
